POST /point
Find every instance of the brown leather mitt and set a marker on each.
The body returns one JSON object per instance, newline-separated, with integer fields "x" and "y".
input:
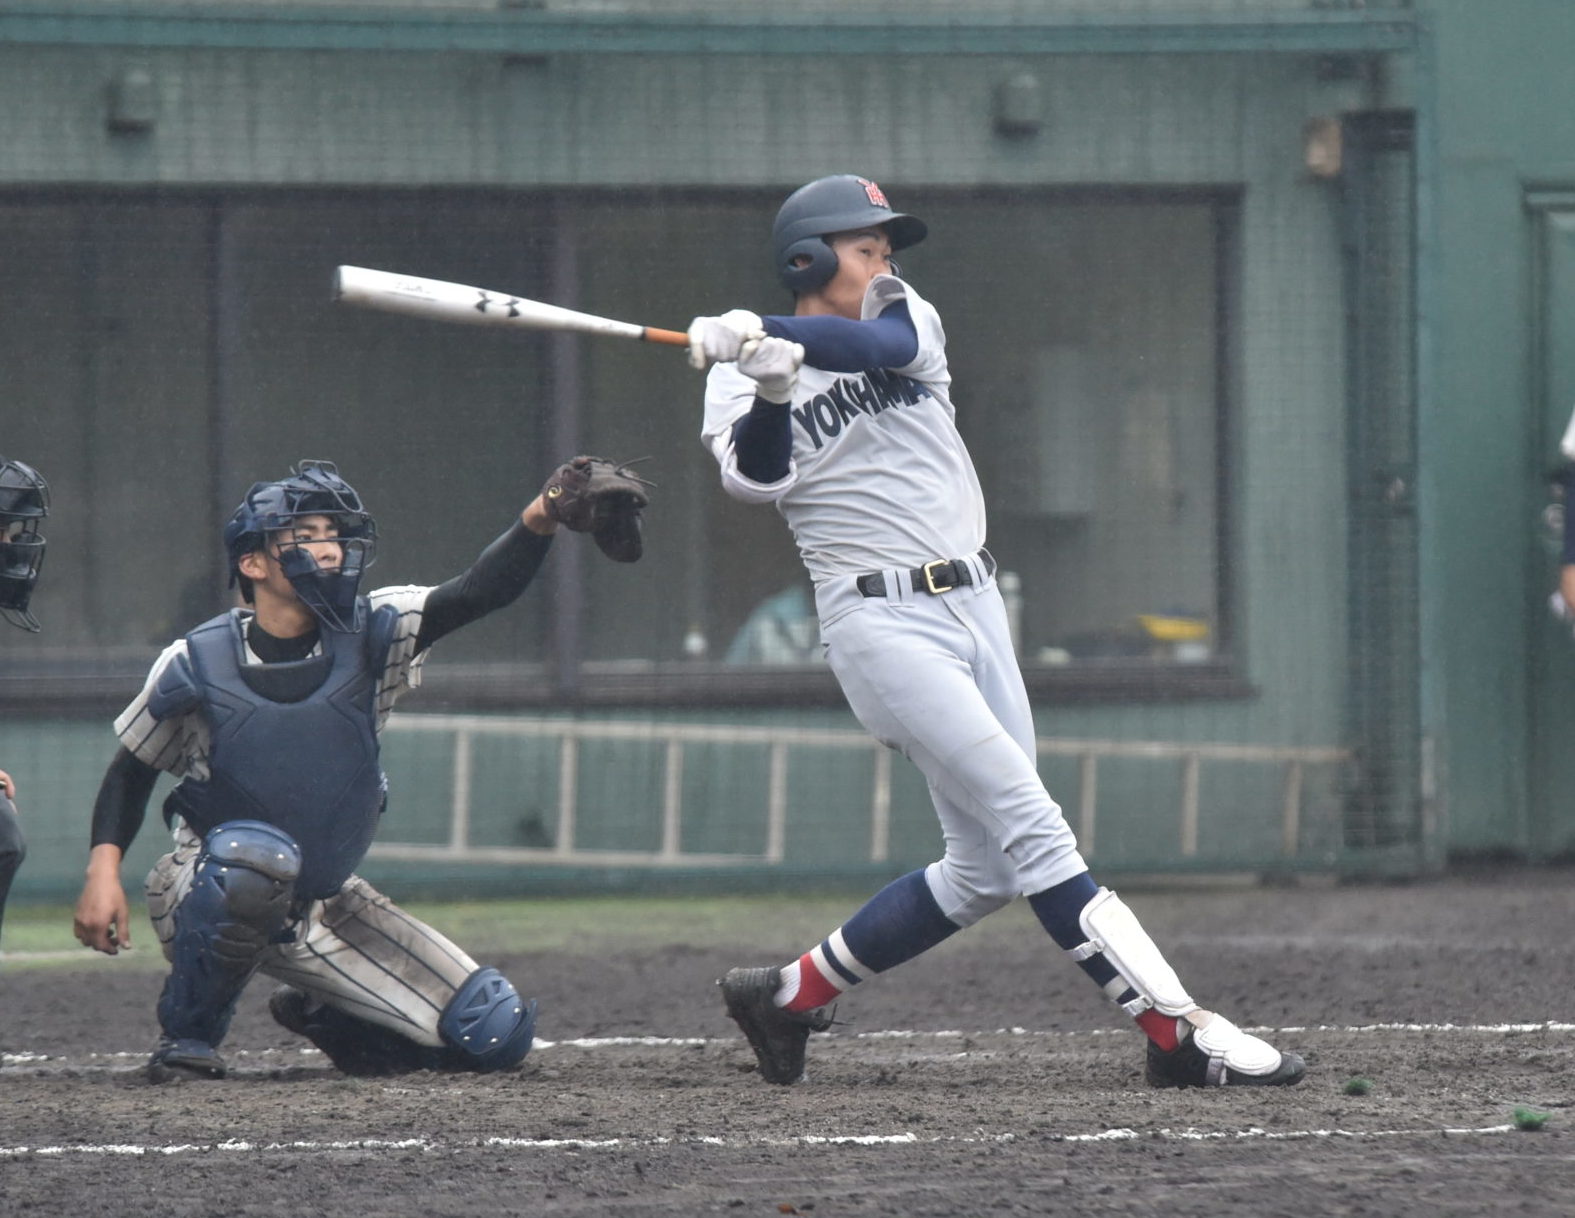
{"x": 603, "y": 498}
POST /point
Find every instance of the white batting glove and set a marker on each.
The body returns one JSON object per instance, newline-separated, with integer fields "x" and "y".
{"x": 716, "y": 340}
{"x": 1557, "y": 606}
{"x": 774, "y": 365}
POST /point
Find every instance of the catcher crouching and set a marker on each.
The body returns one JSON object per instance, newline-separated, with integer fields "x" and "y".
{"x": 270, "y": 717}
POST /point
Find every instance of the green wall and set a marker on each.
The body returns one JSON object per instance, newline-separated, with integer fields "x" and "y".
{"x": 1506, "y": 122}
{"x": 233, "y": 118}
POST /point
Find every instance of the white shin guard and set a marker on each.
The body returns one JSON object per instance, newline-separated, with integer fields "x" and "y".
{"x": 1114, "y": 932}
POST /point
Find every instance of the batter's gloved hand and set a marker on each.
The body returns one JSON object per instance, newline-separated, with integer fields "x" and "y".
{"x": 774, "y": 365}
{"x": 600, "y": 497}
{"x": 716, "y": 340}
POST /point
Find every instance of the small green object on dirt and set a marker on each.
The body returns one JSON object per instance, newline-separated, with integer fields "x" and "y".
{"x": 1530, "y": 1118}
{"x": 1358, "y": 1086}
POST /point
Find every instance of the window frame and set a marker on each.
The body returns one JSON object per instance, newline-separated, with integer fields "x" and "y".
{"x": 90, "y": 682}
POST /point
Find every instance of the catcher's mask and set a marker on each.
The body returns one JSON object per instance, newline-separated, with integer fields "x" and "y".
{"x": 838, "y": 204}
{"x": 313, "y": 488}
{"x": 24, "y": 501}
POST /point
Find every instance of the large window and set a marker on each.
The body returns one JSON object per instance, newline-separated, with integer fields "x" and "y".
{"x": 164, "y": 352}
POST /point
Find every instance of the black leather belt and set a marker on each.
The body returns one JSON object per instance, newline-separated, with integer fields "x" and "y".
{"x": 936, "y": 577}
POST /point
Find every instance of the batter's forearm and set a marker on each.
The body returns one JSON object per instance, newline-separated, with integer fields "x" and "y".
{"x": 763, "y": 442}
{"x": 840, "y": 345}
{"x": 122, "y": 801}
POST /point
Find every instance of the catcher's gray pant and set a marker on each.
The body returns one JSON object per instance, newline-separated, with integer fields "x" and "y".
{"x": 935, "y": 677}
{"x": 356, "y": 950}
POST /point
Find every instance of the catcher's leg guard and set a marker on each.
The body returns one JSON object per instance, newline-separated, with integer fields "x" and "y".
{"x": 487, "y": 1025}
{"x": 1213, "y": 1051}
{"x": 242, "y": 887}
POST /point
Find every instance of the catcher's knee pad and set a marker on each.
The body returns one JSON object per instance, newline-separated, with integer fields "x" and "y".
{"x": 487, "y": 1023}
{"x": 242, "y": 889}
{"x": 1144, "y": 977}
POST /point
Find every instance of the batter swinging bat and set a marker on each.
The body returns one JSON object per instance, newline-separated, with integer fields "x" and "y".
{"x": 357, "y": 285}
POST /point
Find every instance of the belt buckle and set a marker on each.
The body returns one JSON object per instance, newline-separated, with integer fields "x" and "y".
{"x": 930, "y": 585}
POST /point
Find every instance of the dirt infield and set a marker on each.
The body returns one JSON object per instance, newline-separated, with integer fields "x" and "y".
{"x": 986, "y": 1078}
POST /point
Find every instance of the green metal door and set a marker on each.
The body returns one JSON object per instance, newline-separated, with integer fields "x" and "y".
{"x": 1551, "y": 649}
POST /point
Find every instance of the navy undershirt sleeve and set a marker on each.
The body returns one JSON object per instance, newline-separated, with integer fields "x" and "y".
{"x": 763, "y": 438}
{"x": 494, "y": 580}
{"x": 122, "y": 800}
{"x": 763, "y": 441}
{"x": 840, "y": 345}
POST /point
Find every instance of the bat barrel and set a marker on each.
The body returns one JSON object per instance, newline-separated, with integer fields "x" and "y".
{"x": 457, "y": 302}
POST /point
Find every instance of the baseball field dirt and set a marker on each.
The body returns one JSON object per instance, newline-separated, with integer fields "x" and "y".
{"x": 985, "y": 1078}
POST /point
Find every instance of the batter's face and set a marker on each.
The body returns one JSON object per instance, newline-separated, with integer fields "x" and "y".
{"x": 861, "y": 255}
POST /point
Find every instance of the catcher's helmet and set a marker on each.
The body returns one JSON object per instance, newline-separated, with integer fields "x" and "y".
{"x": 313, "y": 488}
{"x": 832, "y": 205}
{"x": 24, "y": 501}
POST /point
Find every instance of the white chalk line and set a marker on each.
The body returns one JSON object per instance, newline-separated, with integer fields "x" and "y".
{"x": 593, "y": 1043}
{"x": 432, "y": 1145}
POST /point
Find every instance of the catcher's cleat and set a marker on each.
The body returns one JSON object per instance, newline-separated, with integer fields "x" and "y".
{"x": 176, "y": 1061}
{"x": 1222, "y": 1055}
{"x": 778, "y": 1037}
{"x": 354, "y": 1046}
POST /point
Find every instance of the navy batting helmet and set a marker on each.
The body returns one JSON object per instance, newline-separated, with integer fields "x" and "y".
{"x": 24, "y": 501}
{"x": 313, "y": 488}
{"x": 836, "y": 204}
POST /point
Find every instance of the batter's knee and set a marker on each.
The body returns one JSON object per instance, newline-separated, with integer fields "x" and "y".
{"x": 487, "y": 1024}
{"x": 968, "y": 890}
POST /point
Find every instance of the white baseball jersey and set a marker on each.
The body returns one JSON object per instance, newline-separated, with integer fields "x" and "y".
{"x": 879, "y": 476}
{"x": 180, "y": 745}
{"x": 880, "y": 481}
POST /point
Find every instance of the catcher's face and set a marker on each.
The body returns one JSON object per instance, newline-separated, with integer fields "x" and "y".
{"x": 317, "y": 536}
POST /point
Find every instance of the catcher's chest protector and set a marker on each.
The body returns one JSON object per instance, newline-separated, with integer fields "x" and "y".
{"x": 293, "y": 744}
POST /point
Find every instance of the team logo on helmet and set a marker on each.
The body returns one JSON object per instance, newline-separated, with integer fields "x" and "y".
{"x": 874, "y": 193}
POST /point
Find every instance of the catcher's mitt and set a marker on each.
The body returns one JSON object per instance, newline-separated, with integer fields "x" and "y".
{"x": 600, "y": 497}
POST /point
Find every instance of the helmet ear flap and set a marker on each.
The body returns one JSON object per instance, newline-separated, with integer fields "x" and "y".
{"x": 817, "y": 272}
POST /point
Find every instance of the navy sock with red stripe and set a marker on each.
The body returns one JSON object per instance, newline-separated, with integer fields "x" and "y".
{"x": 896, "y": 924}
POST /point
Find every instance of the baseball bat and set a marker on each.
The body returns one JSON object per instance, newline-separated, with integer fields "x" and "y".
{"x": 458, "y": 302}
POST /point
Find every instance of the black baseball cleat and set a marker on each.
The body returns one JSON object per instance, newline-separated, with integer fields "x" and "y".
{"x": 354, "y": 1046}
{"x": 778, "y": 1037}
{"x": 177, "y": 1061}
{"x": 1222, "y": 1055}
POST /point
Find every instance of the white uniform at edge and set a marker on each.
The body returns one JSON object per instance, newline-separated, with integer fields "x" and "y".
{"x": 934, "y": 677}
